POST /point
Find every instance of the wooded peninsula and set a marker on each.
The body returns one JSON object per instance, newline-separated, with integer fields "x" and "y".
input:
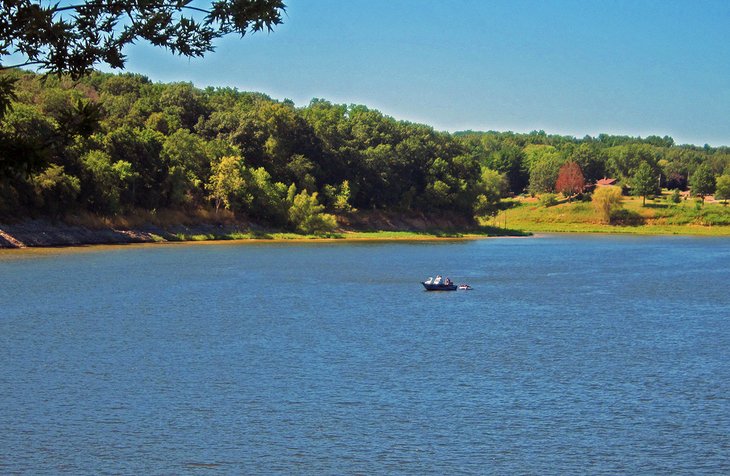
{"x": 118, "y": 150}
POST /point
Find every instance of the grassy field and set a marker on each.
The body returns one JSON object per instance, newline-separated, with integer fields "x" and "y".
{"x": 659, "y": 216}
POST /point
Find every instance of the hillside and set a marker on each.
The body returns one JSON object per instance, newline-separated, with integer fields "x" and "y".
{"x": 120, "y": 148}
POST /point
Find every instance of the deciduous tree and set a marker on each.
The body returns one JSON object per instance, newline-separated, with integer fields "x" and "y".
{"x": 56, "y": 191}
{"x": 591, "y": 160}
{"x": 644, "y": 182}
{"x": 491, "y": 187}
{"x": 570, "y": 180}
{"x": 225, "y": 180}
{"x": 306, "y": 214}
{"x": 702, "y": 182}
{"x": 722, "y": 188}
{"x": 104, "y": 181}
{"x": 544, "y": 164}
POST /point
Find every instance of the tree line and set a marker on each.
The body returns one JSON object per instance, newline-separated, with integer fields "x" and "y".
{"x": 112, "y": 144}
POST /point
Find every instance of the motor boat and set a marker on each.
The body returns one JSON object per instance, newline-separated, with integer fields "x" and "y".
{"x": 439, "y": 284}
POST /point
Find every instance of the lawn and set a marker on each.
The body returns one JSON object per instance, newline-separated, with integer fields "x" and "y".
{"x": 658, "y": 216}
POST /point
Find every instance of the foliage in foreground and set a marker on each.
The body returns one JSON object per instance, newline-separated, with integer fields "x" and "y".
{"x": 64, "y": 38}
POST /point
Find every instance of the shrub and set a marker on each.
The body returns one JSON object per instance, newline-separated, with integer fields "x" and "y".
{"x": 626, "y": 217}
{"x": 548, "y": 200}
{"x": 676, "y": 197}
{"x": 606, "y": 201}
{"x": 55, "y": 190}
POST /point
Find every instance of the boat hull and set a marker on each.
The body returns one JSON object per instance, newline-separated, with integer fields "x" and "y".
{"x": 439, "y": 287}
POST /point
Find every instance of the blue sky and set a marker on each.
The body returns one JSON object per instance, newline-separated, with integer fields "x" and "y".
{"x": 568, "y": 67}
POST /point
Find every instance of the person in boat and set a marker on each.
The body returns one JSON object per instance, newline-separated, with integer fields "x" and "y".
{"x": 447, "y": 282}
{"x": 429, "y": 280}
{"x": 437, "y": 280}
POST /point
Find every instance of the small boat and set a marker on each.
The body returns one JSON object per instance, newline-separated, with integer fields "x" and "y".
{"x": 439, "y": 284}
{"x": 439, "y": 287}
{"x": 464, "y": 287}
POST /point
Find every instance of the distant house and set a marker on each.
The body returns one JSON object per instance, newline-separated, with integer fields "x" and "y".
{"x": 606, "y": 182}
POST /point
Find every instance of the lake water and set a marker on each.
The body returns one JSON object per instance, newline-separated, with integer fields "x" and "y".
{"x": 572, "y": 355}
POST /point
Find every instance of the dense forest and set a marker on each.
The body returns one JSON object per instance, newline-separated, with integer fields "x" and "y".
{"x": 115, "y": 144}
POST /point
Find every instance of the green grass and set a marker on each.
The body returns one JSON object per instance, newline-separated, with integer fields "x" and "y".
{"x": 658, "y": 217}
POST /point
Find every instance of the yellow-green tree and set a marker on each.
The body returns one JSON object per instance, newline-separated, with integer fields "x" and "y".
{"x": 722, "y": 188}
{"x": 492, "y": 185}
{"x": 104, "y": 181}
{"x": 606, "y": 200}
{"x": 225, "y": 180}
{"x": 306, "y": 214}
{"x": 56, "y": 190}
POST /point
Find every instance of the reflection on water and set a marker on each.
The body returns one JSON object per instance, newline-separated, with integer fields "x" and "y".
{"x": 572, "y": 355}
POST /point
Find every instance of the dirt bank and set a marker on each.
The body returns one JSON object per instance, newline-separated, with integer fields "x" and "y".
{"x": 43, "y": 232}
{"x": 47, "y": 233}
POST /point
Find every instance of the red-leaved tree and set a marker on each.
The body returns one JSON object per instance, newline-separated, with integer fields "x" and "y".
{"x": 570, "y": 180}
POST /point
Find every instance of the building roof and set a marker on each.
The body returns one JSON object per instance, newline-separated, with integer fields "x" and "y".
{"x": 605, "y": 182}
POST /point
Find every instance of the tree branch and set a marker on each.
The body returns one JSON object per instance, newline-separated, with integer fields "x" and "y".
{"x": 76, "y": 7}
{"x": 13, "y": 66}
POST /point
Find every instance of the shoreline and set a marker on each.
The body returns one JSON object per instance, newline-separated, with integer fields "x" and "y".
{"x": 344, "y": 237}
{"x": 258, "y": 241}
{"x": 42, "y": 234}
{"x": 643, "y": 230}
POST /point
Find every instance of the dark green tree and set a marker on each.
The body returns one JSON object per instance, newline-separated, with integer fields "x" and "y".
{"x": 644, "y": 182}
{"x": 544, "y": 165}
{"x": 183, "y": 102}
{"x": 142, "y": 148}
{"x": 510, "y": 160}
{"x": 27, "y": 140}
{"x": 591, "y": 161}
{"x": 7, "y": 94}
{"x": 702, "y": 182}
{"x": 624, "y": 160}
